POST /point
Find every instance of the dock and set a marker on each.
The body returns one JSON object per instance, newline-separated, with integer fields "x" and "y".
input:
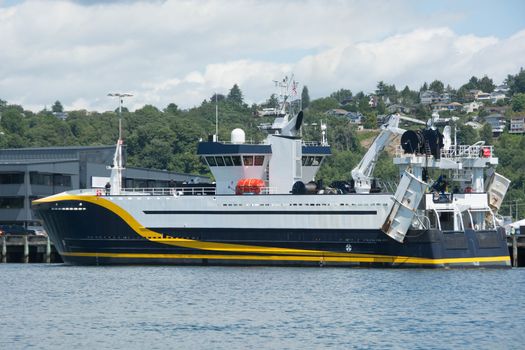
{"x": 28, "y": 249}
{"x": 516, "y": 244}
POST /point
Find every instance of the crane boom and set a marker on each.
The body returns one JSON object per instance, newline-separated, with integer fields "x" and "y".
{"x": 362, "y": 173}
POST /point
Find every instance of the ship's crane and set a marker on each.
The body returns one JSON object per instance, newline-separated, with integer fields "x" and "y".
{"x": 362, "y": 173}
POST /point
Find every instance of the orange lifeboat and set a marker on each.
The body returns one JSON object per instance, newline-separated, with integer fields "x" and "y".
{"x": 252, "y": 186}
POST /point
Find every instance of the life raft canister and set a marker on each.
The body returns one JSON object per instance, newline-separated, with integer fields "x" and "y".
{"x": 252, "y": 186}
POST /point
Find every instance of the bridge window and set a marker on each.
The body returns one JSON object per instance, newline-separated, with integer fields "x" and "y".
{"x": 220, "y": 160}
{"x": 247, "y": 160}
{"x": 316, "y": 161}
{"x": 236, "y": 160}
{"x": 211, "y": 161}
{"x": 228, "y": 161}
{"x": 259, "y": 160}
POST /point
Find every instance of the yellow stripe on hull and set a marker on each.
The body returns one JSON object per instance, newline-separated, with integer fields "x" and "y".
{"x": 349, "y": 259}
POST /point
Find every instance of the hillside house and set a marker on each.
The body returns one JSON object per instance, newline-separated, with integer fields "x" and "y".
{"x": 496, "y": 122}
{"x": 472, "y": 106}
{"x": 453, "y": 106}
{"x": 517, "y": 125}
{"x": 472, "y": 95}
{"x": 397, "y": 108}
{"x": 430, "y": 97}
{"x": 483, "y": 96}
{"x": 355, "y": 117}
{"x": 337, "y": 112}
{"x": 474, "y": 125}
{"x": 497, "y": 96}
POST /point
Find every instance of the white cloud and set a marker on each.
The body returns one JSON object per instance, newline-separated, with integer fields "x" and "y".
{"x": 184, "y": 51}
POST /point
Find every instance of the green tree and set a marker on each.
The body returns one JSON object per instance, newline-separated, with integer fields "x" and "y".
{"x": 467, "y": 135}
{"x": 363, "y": 105}
{"x": 324, "y": 104}
{"x": 473, "y": 84}
{"x": 219, "y": 97}
{"x": 305, "y": 97}
{"x": 57, "y": 107}
{"x": 386, "y": 90}
{"x": 381, "y": 108}
{"x": 381, "y": 89}
{"x": 172, "y": 108}
{"x": 370, "y": 121}
{"x": 437, "y": 86}
{"x": 518, "y": 102}
{"x": 516, "y": 83}
{"x": 424, "y": 87}
{"x": 485, "y": 134}
{"x": 486, "y": 84}
{"x": 235, "y": 95}
{"x": 273, "y": 102}
{"x": 342, "y": 95}
{"x": 409, "y": 97}
{"x": 12, "y": 121}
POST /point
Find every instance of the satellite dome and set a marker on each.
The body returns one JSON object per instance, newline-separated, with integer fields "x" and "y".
{"x": 238, "y": 136}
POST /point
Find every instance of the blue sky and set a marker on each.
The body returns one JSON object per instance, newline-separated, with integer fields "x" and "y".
{"x": 481, "y": 17}
{"x": 183, "y": 51}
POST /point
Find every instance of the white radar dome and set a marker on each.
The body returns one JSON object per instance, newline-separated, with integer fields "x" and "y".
{"x": 238, "y": 136}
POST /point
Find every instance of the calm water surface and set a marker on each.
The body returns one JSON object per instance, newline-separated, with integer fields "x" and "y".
{"x": 67, "y": 307}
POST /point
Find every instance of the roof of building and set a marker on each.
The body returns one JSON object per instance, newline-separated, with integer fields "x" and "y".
{"x": 494, "y": 116}
{"x": 517, "y": 224}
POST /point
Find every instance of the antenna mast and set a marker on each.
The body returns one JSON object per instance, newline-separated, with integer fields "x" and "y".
{"x": 116, "y": 170}
{"x": 216, "y": 119}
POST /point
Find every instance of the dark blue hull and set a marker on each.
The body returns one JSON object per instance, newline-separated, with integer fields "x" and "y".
{"x": 96, "y": 235}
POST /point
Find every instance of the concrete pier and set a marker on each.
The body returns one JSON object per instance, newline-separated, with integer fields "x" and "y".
{"x": 28, "y": 249}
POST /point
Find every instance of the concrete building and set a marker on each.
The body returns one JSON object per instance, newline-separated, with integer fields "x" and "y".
{"x": 30, "y": 173}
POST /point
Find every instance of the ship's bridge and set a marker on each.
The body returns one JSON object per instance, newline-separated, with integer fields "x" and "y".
{"x": 232, "y": 161}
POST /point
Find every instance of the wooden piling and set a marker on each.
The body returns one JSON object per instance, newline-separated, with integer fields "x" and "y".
{"x": 514, "y": 251}
{"x": 48, "y": 251}
{"x": 26, "y": 251}
{"x": 4, "y": 250}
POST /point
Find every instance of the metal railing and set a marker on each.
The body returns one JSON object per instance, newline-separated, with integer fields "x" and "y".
{"x": 457, "y": 151}
{"x": 476, "y": 150}
{"x": 170, "y": 191}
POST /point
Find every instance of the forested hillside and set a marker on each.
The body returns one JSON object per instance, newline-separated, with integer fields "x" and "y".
{"x": 167, "y": 139}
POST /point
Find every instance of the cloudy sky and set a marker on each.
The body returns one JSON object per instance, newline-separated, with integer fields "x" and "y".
{"x": 183, "y": 51}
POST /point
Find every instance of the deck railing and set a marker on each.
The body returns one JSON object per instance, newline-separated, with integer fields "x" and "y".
{"x": 458, "y": 151}
{"x": 170, "y": 191}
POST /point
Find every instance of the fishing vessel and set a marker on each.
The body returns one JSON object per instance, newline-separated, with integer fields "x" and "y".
{"x": 266, "y": 207}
